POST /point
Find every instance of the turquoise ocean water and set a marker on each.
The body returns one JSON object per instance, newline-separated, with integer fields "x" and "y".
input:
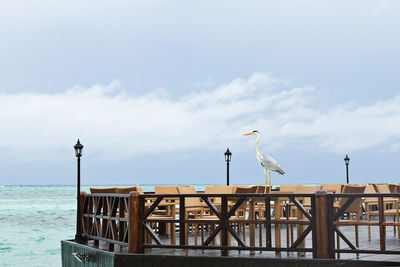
{"x": 33, "y": 221}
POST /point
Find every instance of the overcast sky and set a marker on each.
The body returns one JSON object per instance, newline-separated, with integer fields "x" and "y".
{"x": 156, "y": 90}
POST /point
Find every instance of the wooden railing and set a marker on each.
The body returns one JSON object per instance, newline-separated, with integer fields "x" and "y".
{"x": 232, "y": 222}
{"x": 231, "y": 226}
{"x": 387, "y": 205}
{"x": 105, "y": 217}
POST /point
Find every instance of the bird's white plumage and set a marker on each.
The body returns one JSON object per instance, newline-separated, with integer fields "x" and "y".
{"x": 266, "y": 161}
{"x": 268, "y": 164}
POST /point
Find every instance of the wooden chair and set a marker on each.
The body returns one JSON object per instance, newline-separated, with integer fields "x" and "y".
{"x": 251, "y": 189}
{"x": 354, "y": 210}
{"x": 394, "y": 188}
{"x": 194, "y": 209}
{"x": 107, "y": 190}
{"x": 167, "y": 190}
{"x": 382, "y": 188}
{"x": 332, "y": 188}
{"x": 390, "y": 205}
{"x": 126, "y": 190}
{"x": 218, "y": 190}
{"x": 370, "y": 205}
{"x": 288, "y": 187}
{"x": 250, "y": 207}
{"x": 165, "y": 210}
{"x": 291, "y": 211}
{"x": 217, "y": 202}
{"x": 302, "y": 189}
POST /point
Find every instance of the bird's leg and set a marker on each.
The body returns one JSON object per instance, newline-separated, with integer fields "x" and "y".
{"x": 270, "y": 182}
{"x": 266, "y": 181}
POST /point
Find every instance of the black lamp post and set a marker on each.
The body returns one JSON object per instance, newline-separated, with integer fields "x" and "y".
{"x": 228, "y": 156}
{"x": 78, "y": 153}
{"x": 347, "y": 161}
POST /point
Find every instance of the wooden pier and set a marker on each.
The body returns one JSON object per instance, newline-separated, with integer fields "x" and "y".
{"x": 237, "y": 230}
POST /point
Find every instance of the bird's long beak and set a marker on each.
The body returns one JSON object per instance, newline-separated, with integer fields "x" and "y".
{"x": 248, "y": 134}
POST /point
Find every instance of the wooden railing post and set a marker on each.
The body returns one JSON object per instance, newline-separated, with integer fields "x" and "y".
{"x": 83, "y": 225}
{"x": 382, "y": 230}
{"x": 252, "y": 226}
{"x": 322, "y": 243}
{"x": 224, "y": 232}
{"x": 182, "y": 217}
{"x": 135, "y": 231}
{"x": 268, "y": 222}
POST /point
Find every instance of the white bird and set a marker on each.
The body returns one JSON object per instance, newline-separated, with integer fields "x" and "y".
{"x": 267, "y": 162}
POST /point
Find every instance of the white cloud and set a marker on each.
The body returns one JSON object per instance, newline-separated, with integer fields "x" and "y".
{"x": 115, "y": 125}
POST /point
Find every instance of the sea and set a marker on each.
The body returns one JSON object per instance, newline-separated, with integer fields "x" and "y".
{"x": 34, "y": 219}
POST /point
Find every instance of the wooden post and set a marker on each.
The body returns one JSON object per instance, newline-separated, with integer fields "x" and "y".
{"x": 224, "y": 232}
{"x": 135, "y": 234}
{"x": 278, "y": 215}
{"x": 321, "y": 236}
{"x": 300, "y": 230}
{"x": 182, "y": 215}
{"x": 84, "y": 225}
{"x": 252, "y": 225}
{"x": 268, "y": 222}
{"x": 382, "y": 230}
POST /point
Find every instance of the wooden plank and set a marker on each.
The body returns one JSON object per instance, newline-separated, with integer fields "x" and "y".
{"x": 182, "y": 239}
{"x": 212, "y": 207}
{"x": 152, "y": 234}
{"x": 340, "y": 233}
{"x": 278, "y": 215}
{"x": 382, "y": 230}
{"x": 152, "y": 207}
{"x": 212, "y": 235}
{"x": 268, "y": 222}
{"x": 331, "y": 234}
{"x": 300, "y": 239}
{"x": 300, "y": 207}
{"x": 135, "y": 236}
{"x": 252, "y": 225}
{"x": 343, "y": 208}
{"x": 321, "y": 227}
{"x": 235, "y": 207}
{"x": 224, "y": 232}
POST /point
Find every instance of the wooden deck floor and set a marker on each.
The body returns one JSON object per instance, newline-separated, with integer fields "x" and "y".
{"x": 392, "y": 243}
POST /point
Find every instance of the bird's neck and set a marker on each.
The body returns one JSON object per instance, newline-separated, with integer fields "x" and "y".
{"x": 256, "y": 145}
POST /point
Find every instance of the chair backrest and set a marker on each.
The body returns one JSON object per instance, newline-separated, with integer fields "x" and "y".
{"x": 140, "y": 189}
{"x": 307, "y": 189}
{"x": 190, "y": 201}
{"x": 350, "y": 188}
{"x": 211, "y": 190}
{"x": 394, "y": 188}
{"x": 125, "y": 190}
{"x": 107, "y": 190}
{"x": 397, "y": 188}
{"x": 261, "y": 189}
{"x": 230, "y": 189}
{"x": 291, "y": 188}
{"x": 217, "y": 190}
{"x": 332, "y": 188}
{"x": 382, "y": 188}
{"x": 163, "y": 190}
{"x": 223, "y": 189}
{"x": 370, "y": 189}
{"x": 246, "y": 189}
